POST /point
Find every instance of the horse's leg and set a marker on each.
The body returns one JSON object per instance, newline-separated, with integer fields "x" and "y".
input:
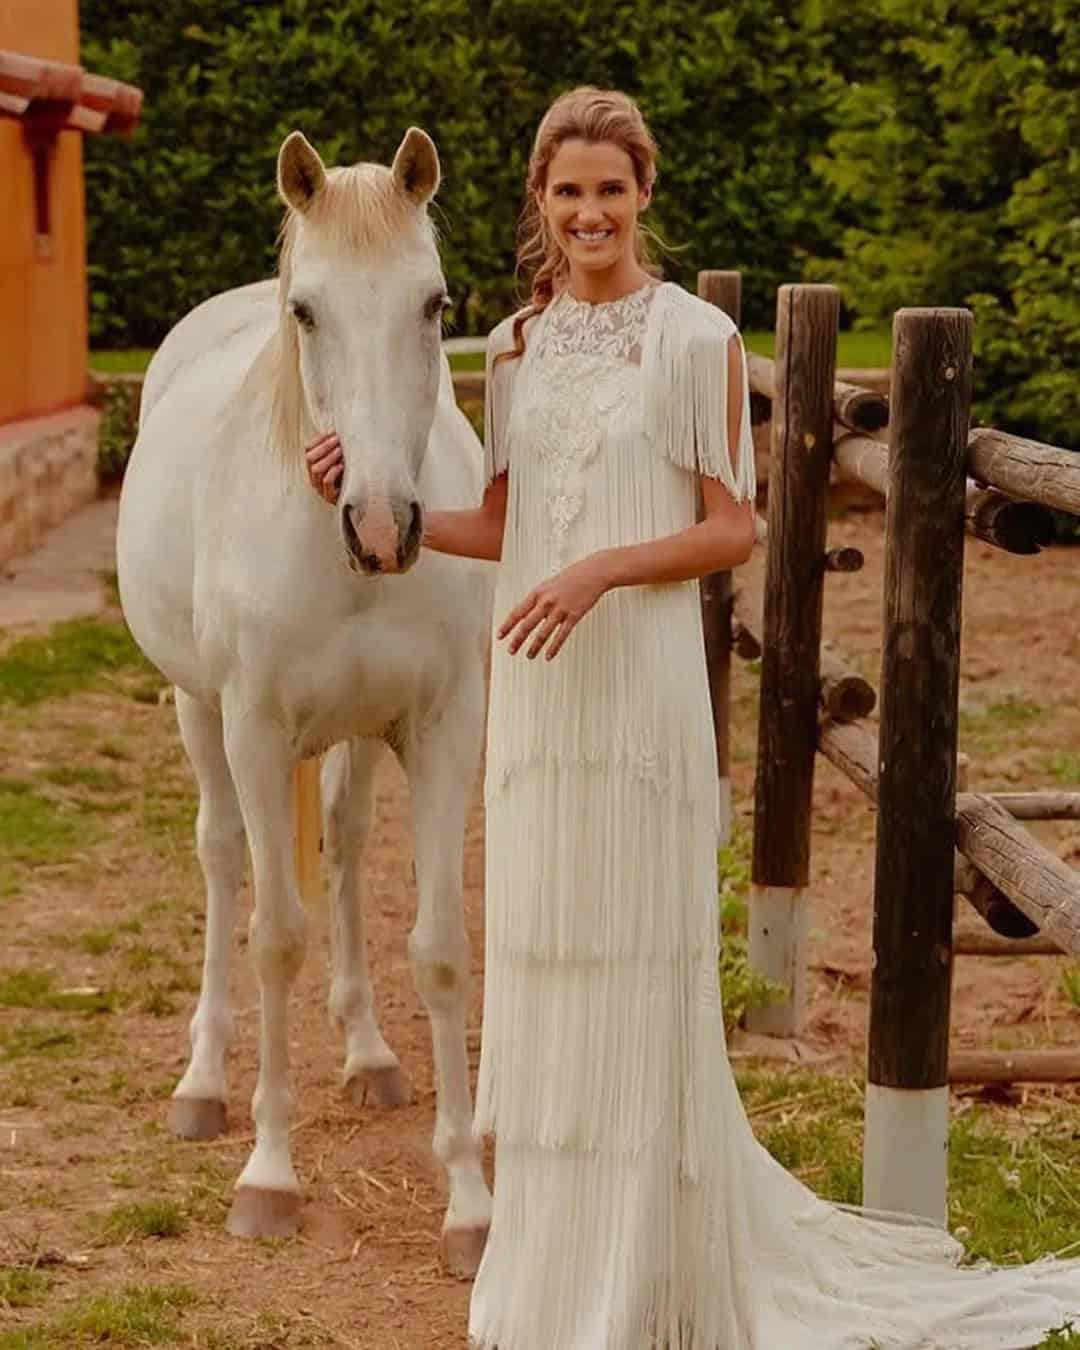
{"x": 267, "y": 1198}
{"x": 198, "y": 1105}
{"x": 441, "y": 764}
{"x": 348, "y": 792}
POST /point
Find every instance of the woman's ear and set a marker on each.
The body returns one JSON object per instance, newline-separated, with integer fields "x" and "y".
{"x": 644, "y": 196}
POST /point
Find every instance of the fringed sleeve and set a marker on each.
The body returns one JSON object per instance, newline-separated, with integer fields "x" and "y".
{"x": 498, "y": 388}
{"x": 686, "y": 382}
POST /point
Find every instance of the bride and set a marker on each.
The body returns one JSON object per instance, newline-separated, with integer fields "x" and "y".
{"x": 633, "y": 1207}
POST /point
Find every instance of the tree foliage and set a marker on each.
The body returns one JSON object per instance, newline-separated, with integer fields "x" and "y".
{"x": 915, "y": 151}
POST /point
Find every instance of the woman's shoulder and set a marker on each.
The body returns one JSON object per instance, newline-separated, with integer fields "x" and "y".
{"x": 695, "y": 317}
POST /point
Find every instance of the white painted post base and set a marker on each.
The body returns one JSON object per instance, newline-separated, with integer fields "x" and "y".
{"x": 776, "y": 946}
{"x": 723, "y": 817}
{"x": 906, "y": 1150}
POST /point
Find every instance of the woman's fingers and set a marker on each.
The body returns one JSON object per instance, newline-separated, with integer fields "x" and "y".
{"x": 526, "y": 626}
{"x": 517, "y": 613}
{"x": 331, "y": 482}
{"x": 321, "y": 447}
{"x": 568, "y": 625}
{"x": 549, "y": 627}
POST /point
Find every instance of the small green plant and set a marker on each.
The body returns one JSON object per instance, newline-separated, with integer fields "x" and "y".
{"x": 154, "y": 1219}
{"x": 33, "y": 829}
{"x": 87, "y": 776}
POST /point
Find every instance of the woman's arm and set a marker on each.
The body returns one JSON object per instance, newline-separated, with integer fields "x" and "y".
{"x": 723, "y": 540}
{"x": 471, "y": 534}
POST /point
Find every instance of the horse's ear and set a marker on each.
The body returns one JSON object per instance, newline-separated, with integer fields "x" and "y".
{"x": 416, "y": 166}
{"x": 301, "y": 174}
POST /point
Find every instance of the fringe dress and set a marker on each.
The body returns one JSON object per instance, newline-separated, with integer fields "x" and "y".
{"x": 634, "y": 1209}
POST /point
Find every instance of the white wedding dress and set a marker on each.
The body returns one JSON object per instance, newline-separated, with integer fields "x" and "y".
{"x": 634, "y": 1209}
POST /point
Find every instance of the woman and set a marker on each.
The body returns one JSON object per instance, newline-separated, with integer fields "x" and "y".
{"x": 633, "y": 1207}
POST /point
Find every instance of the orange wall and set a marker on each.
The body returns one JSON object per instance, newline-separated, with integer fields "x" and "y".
{"x": 43, "y": 325}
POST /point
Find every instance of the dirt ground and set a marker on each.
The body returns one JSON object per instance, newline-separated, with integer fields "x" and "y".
{"x": 83, "y": 1096}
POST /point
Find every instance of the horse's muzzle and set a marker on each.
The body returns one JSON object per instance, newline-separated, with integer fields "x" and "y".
{"x": 383, "y": 536}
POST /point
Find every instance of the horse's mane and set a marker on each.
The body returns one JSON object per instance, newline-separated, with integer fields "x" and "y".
{"x": 361, "y": 209}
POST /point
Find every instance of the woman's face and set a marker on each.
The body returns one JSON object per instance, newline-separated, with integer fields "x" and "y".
{"x": 591, "y": 201}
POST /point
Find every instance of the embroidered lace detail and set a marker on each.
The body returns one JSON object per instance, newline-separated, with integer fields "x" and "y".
{"x": 585, "y": 354}
{"x": 612, "y": 328}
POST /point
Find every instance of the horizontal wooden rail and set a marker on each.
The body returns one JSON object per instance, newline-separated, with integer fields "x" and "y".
{"x": 971, "y": 938}
{"x": 1038, "y": 883}
{"x": 853, "y": 749}
{"x": 854, "y": 405}
{"x": 1014, "y": 1066}
{"x": 1038, "y": 805}
{"x": 1021, "y": 527}
{"x": 1028, "y": 469}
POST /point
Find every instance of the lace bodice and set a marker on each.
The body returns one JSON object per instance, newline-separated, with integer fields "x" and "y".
{"x": 584, "y": 367}
{"x": 611, "y": 328}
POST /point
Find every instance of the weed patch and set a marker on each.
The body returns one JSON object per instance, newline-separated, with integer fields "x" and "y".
{"x": 33, "y": 829}
{"x": 21, "y": 1286}
{"x": 81, "y": 654}
{"x": 136, "y": 1317}
{"x": 31, "y": 988}
{"x": 154, "y": 1219}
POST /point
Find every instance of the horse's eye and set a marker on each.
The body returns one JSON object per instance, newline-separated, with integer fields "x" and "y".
{"x": 302, "y": 314}
{"x": 437, "y": 306}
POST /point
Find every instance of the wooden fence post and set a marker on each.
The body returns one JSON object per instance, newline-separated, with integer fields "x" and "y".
{"x": 905, "y": 1154}
{"x": 723, "y": 289}
{"x": 807, "y": 318}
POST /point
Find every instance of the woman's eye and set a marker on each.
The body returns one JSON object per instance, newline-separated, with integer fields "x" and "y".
{"x": 303, "y": 315}
{"x": 565, "y": 190}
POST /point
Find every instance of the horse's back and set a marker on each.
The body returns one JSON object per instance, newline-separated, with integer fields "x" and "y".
{"x": 206, "y": 331}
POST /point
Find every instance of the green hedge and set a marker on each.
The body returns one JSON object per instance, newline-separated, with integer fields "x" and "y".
{"x": 916, "y": 151}
{"x": 738, "y": 99}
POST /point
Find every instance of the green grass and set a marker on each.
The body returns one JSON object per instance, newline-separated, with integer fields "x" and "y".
{"x": 87, "y": 776}
{"x": 137, "y": 1316}
{"x": 863, "y": 347}
{"x": 153, "y": 1219}
{"x": 22, "y": 1286}
{"x": 989, "y": 728}
{"x": 31, "y": 988}
{"x": 81, "y": 654}
{"x": 123, "y": 362}
{"x": 33, "y": 829}
{"x": 37, "y": 1041}
{"x": 1013, "y": 1196}
{"x": 1064, "y": 769}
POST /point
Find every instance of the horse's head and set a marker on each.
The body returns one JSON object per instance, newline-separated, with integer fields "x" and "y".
{"x": 363, "y": 295}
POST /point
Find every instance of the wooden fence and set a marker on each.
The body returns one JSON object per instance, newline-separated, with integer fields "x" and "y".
{"x": 934, "y": 839}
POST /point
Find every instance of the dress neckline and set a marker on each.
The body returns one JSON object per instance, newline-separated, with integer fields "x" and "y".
{"x": 568, "y": 296}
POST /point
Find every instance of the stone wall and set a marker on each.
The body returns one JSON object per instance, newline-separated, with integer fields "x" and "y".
{"x": 48, "y": 469}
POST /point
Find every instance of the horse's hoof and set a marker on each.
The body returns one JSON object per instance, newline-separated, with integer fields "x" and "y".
{"x": 461, "y": 1250}
{"x": 196, "y": 1117}
{"x": 260, "y": 1213}
{"x": 383, "y": 1087}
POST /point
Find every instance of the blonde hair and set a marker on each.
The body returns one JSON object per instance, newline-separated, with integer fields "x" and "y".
{"x": 585, "y": 114}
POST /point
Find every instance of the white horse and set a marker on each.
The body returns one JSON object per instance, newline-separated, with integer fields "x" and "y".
{"x": 276, "y": 617}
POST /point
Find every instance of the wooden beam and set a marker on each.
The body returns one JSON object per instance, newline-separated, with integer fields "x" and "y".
{"x": 854, "y": 405}
{"x": 907, "y": 1061}
{"x": 853, "y": 749}
{"x": 1014, "y": 1066}
{"x": 971, "y": 938}
{"x": 1027, "y": 469}
{"x": 1037, "y": 881}
{"x": 804, "y": 375}
{"x": 1014, "y": 526}
{"x": 1038, "y": 805}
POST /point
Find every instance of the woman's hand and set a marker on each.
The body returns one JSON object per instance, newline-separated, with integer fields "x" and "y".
{"x": 326, "y": 464}
{"x": 554, "y": 609}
